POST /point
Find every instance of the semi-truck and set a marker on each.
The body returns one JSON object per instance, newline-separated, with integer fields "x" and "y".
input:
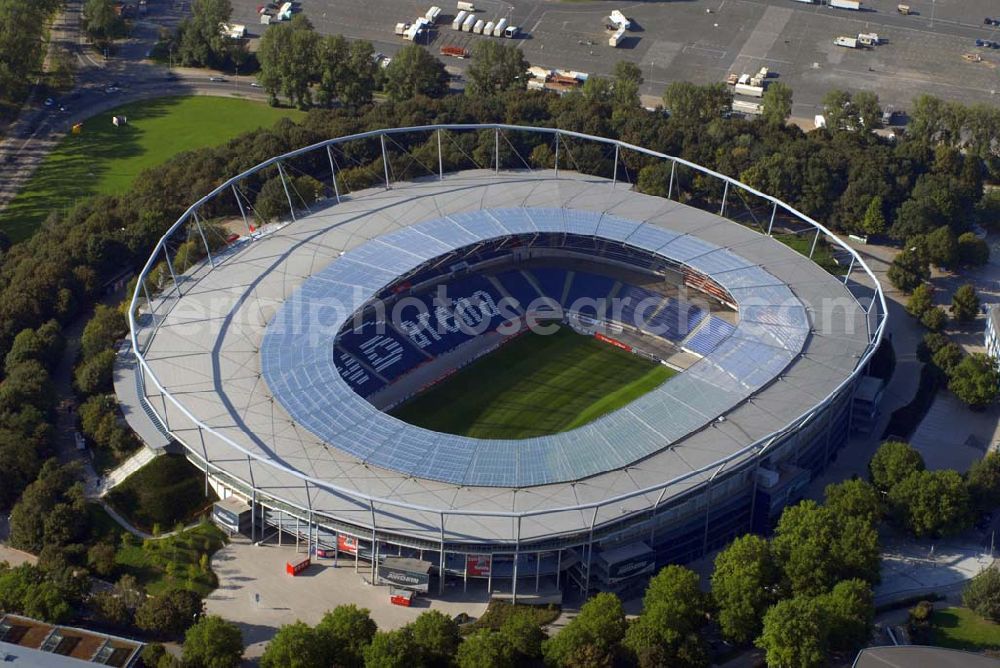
{"x": 868, "y": 39}
{"x": 459, "y": 20}
{"x": 510, "y": 32}
{"x": 846, "y": 4}
{"x": 849, "y": 42}
{"x": 401, "y": 28}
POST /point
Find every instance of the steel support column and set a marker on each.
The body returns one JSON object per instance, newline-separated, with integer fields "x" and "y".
{"x": 590, "y": 554}
{"x": 201, "y": 232}
{"x": 614, "y": 176}
{"x": 812, "y": 249}
{"x": 847, "y": 276}
{"x": 725, "y": 194}
{"x": 517, "y": 554}
{"x": 441, "y": 560}
{"x": 243, "y": 211}
{"x": 385, "y": 160}
{"x": 558, "y": 567}
{"x": 440, "y": 158}
{"x": 538, "y": 569}
{"x": 288, "y": 195}
{"x": 333, "y": 173}
{"x": 374, "y": 554}
{"x": 557, "y": 155}
{"x": 670, "y": 186}
{"x": 774, "y": 212}
{"x": 496, "y": 140}
{"x": 489, "y": 577}
{"x": 145, "y": 291}
{"x": 170, "y": 267}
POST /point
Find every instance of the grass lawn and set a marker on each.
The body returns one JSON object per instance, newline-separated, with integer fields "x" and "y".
{"x": 533, "y": 386}
{"x": 106, "y": 159}
{"x": 165, "y": 491}
{"x": 161, "y": 564}
{"x": 961, "y": 628}
{"x": 498, "y": 612}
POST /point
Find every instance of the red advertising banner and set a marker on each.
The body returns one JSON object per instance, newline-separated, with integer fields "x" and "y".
{"x": 615, "y": 342}
{"x": 477, "y": 564}
{"x": 347, "y": 544}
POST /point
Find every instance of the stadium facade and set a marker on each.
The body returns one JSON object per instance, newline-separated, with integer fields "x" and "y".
{"x": 270, "y": 362}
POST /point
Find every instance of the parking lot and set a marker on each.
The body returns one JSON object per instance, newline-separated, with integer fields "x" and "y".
{"x": 682, "y": 41}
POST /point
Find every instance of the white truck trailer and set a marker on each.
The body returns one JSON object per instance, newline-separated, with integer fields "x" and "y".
{"x": 846, "y": 4}
{"x": 747, "y": 107}
{"x": 469, "y": 21}
{"x": 432, "y": 14}
{"x": 746, "y": 89}
{"x": 620, "y": 20}
{"x": 488, "y": 28}
{"x": 477, "y": 28}
{"x": 459, "y": 20}
{"x": 868, "y": 39}
{"x": 499, "y": 28}
{"x": 616, "y": 37}
{"x": 849, "y": 42}
{"x": 465, "y": 7}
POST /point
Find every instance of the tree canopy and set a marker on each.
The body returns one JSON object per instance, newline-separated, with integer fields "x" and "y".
{"x": 744, "y": 585}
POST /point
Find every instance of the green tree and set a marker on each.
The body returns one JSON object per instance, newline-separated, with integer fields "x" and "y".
{"x": 213, "y": 642}
{"x": 695, "y": 104}
{"x": 412, "y": 72}
{"x": 941, "y": 247}
{"x": 853, "y": 498}
{"x": 848, "y": 611}
{"x": 170, "y": 613}
{"x": 794, "y": 634}
{"x": 346, "y": 631}
{"x": 908, "y": 270}
{"x": 743, "y": 586}
{"x": 598, "y": 629}
{"x": 522, "y": 633}
{"x": 103, "y": 23}
{"x": 982, "y": 594}
{"x": 948, "y": 357}
{"x": 892, "y": 463}
{"x": 392, "y": 649}
{"x": 983, "y": 480}
{"x": 626, "y": 82}
{"x": 435, "y": 635}
{"x": 43, "y": 345}
{"x": 294, "y": 646}
{"x": 495, "y": 67}
{"x": 975, "y": 380}
{"x": 484, "y": 648}
{"x": 673, "y": 609}
{"x": 96, "y": 375}
{"x": 777, "y": 102}
{"x": 965, "y": 304}
{"x": 201, "y": 43}
{"x": 101, "y": 559}
{"x": 934, "y": 319}
{"x": 931, "y": 503}
{"x": 874, "y": 221}
{"x": 921, "y": 300}
{"x": 803, "y": 547}
{"x": 288, "y": 57}
{"x": 104, "y": 328}
{"x": 972, "y": 251}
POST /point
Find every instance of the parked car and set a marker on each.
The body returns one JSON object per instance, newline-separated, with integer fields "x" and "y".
{"x": 49, "y": 102}
{"x": 254, "y": 84}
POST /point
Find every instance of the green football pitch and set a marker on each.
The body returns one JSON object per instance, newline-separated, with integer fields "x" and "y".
{"x": 535, "y": 385}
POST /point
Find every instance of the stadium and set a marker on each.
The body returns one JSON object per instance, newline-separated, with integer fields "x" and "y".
{"x": 530, "y": 378}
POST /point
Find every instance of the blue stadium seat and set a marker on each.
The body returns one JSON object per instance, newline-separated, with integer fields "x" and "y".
{"x": 587, "y": 287}
{"x": 519, "y": 288}
{"x": 706, "y": 339}
{"x": 551, "y": 280}
{"x": 381, "y": 348}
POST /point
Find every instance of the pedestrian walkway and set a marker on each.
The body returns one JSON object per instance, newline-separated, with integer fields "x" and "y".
{"x": 100, "y": 486}
{"x": 953, "y": 437}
